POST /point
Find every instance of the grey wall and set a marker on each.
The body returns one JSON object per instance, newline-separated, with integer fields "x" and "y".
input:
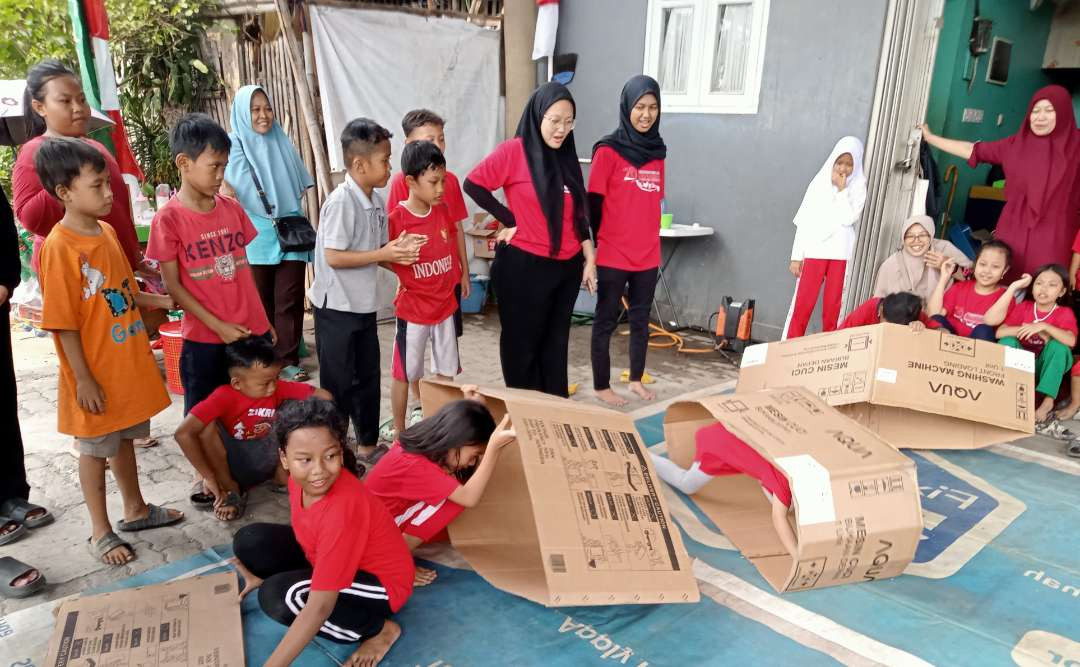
{"x": 744, "y": 175}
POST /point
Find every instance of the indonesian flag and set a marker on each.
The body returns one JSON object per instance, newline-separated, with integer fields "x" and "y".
{"x": 91, "y": 27}
{"x": 547, "y": 25}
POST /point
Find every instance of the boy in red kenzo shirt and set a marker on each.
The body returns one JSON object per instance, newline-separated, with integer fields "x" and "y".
{"x": 425, "y": 302}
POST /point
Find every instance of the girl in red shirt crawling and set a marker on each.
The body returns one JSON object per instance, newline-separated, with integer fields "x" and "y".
{"x": 439, "y": 467}
{"x": 719, "y": 452}
{"x": 1045, "y": 325}
{"x": 974, "y": 308}
{"x": 341, "y": 570}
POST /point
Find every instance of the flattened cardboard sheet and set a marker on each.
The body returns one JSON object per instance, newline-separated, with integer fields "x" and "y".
{"x": 574, "y": 514}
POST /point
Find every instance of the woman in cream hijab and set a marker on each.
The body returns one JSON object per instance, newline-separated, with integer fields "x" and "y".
{"x": 916, "y": 267}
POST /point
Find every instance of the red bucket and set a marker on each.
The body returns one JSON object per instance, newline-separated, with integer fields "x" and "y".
{"x": 171, "y": 344}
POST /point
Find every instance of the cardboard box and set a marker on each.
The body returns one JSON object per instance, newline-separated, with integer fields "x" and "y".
{"x": 482, "y": 234}
{"x": 574, "y": 513}
{"x": 928, "y": 390}
{"x": 194, "y": 621}
{"x": 856, "y": 498}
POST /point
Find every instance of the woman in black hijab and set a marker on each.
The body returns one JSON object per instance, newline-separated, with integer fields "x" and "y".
{"x": 626, "y": 184}
{"x": 545, "y": 252}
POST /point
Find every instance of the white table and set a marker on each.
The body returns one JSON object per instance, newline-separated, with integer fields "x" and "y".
{"x": 677, "y": 233}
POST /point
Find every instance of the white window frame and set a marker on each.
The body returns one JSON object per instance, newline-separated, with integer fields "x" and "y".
{"x": 699, "y": 97}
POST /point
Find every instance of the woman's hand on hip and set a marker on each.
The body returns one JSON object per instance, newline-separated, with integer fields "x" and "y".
{"x": 505, "y": 234}
{"x": 588, "y": 276}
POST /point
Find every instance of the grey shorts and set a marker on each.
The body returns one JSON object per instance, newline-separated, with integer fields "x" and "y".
{"x": 251, "y": 462}
{"x": 106, "y": 446}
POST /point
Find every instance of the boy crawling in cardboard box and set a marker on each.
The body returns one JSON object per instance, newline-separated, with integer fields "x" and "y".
{"x": 857, "y": 514}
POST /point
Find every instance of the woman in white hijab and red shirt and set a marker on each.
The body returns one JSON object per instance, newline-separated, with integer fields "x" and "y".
{"x": 545, "y": 252}
{"x": 825, "y": 236}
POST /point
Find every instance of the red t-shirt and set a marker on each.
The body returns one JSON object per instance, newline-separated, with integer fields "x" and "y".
{"x": 413, "y": 488}
{"x": 1076, "y": 249}
{"x": 246, "y": 418}
{"x": 452, "y": 199}
{"x": 38, "y": 211}
{"x": 209, "y": 251}
{"x": 1061, "y": 317}
{"x": 506, "y": 168}
{"x": 349, "y": 530}
{"x": 964, "y": 308}
{"x": 867, "y": 314}
{"x": 630, "y": 227}
{"x": 719, "y": 452}
{"x": 426, "y": 290}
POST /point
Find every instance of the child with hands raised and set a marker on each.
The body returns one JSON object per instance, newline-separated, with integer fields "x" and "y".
{"x": 974, "y": 308}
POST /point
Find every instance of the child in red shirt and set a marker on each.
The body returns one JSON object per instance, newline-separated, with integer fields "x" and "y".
{"x": 426, "y": 125}
{"x": 199, "y": 238}
{"x": 341, "y": 570}
{"x": 974, "y": 308}
{"x": 1044, "y": 325}
{"x": 425, "y": 302}
{"x": 898, "y": 308}
{"x": 718, "y": 452}
{"x": 439, "y": 467}
{"x": 226, "y": 437}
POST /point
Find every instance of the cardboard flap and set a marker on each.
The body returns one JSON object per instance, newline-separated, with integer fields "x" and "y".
{"x": 573, "y": 514}
{"x": 849, "y": 487}
{"x": 480, "y": 231}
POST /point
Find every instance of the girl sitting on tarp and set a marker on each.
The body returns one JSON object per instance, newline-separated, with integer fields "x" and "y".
{"x": 719, "y": 452}
{"x": 825, "y": 236}
{"x": 438, "y": 467}
{"x": 1045, "y": 325}
{"x": 974, "y": 308}
{"x": 340, "y": 571}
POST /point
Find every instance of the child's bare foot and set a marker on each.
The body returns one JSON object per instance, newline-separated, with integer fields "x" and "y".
{"x": 424, "y": 576}
{"x": 372, "y": 651}
{"x": 642, "y": 393}
{"x": 1068, "y": 412}
{"x": 610, "y": 397}
{"x": 1045, "y": 407}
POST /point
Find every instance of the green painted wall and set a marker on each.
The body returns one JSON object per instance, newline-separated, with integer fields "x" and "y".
{"x": 949, "y": 94}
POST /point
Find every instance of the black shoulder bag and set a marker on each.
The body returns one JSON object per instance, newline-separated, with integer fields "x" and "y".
{"x": 294, "y": 232}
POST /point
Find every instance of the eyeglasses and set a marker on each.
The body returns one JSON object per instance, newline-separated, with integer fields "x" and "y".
{"x": 917, "y": 237}
{"x": 563, "y": 123}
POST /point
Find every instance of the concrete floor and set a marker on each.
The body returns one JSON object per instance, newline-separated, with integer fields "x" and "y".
{"x": 59, "y": 550}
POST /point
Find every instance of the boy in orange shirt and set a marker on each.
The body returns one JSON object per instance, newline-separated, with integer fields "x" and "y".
{"x": 110, "y": 385}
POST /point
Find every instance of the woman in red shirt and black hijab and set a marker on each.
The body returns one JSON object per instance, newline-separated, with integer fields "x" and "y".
{"x": 545, "y": 252}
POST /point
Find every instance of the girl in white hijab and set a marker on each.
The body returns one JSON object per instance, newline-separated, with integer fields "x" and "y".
{"x": 916, "y": 267}
{"x": 825, "y": 236}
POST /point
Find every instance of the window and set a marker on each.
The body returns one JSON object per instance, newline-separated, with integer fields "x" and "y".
{"x": 707, "y": 54}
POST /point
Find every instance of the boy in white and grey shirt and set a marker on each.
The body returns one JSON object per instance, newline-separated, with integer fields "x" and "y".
{"x": 351, "y": 243}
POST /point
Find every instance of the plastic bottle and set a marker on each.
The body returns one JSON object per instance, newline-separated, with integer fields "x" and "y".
{"x": 162, "y": 193}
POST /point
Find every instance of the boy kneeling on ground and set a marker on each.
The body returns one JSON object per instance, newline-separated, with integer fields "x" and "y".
{"x": 341, "y": 570}
{"x": 718, "y": 452}
{"x": 227, "y": 437}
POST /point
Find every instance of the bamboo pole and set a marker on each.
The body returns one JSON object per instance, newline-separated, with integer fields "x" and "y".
{"x": 307, "y": 100}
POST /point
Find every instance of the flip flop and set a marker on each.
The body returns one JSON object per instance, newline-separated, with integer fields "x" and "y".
{"x": 146, "y": 443}
{"x": 17, "y": 508}
{"x": 10, "y": 570}
{"x": 371, "y": 459}
{"x": 157, "y": 518}
{"x": 107, "y": 543}
{"x": 201, "y": 500}
{"x": 237, "y": 501}
{"x": 13, "y": 536}
{"x": 294, "y": 374}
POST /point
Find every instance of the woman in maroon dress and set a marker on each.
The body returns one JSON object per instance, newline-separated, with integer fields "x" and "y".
{"x": 1041, "y": 163}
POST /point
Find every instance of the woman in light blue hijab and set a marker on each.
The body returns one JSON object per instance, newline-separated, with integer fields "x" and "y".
{"x": 261, "y": 148}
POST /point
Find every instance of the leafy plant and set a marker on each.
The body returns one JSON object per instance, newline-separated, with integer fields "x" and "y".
{"x": 156, "y": 50}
